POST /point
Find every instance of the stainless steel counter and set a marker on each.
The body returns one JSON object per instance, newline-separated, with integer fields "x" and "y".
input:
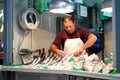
{"x": 66, "y": 72}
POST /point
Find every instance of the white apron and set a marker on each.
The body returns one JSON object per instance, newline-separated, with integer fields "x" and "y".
{"x": 72, "y": 45}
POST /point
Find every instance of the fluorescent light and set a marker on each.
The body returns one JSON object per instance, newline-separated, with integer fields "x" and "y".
{"x": 109, "y": 9}
{"x": 61, "y": 10}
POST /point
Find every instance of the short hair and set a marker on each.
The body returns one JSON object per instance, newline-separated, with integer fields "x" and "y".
{"x": 68, "y": 17}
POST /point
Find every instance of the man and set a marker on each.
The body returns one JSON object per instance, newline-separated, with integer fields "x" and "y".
{"x": 74, "y": 40}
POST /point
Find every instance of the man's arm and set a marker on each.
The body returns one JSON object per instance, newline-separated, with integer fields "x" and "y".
{"x": 91, "y": 40}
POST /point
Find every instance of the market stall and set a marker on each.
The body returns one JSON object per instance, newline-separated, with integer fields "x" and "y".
{"x": 22, "y": 64}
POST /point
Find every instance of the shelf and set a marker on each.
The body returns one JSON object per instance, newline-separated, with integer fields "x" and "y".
{"x": 66, "y": 72}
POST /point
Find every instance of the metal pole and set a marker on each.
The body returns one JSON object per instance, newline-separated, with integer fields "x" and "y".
{"x": 7, "y": 33}
{"x": 116, "y": 34}
{"x": 8, "y": 30}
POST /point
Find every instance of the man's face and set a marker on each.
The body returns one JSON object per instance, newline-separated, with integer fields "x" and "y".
{"x": 69, "y": 25}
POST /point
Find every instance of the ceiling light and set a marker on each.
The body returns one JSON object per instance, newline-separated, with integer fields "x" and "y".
{"x": 109, "y": 9}
{"x": 61, "y": 6}
{"x": 106, "y": 6}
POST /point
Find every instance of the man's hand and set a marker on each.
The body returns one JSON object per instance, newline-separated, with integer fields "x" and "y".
{"x": 60, "y": 53}
{"x": 78, "y": 53}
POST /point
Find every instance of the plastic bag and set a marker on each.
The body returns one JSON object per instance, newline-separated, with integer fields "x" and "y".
{"x": 40, "y": 5}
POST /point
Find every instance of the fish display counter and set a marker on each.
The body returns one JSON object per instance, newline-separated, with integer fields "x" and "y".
{"x": 74, "y": 73}
{"x": 90, "y": 66}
